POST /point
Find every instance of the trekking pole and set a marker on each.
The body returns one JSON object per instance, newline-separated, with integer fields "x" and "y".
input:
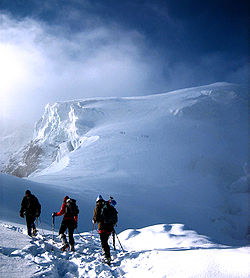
{"x": 92, "y": 232}
{"x": 41, "y": 225}
{"x": 118, "y": 240}
{"x": 36, "y": 227}
{"x": 53, "y": 228}
{"x": 113, "y": 234}
{"x": 95, "y": 228}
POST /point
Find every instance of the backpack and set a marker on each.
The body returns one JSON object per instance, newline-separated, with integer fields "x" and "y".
{"x": 71, "y": 208}
{"x": 33, "y": 207}
{"x": 108, "y": 214}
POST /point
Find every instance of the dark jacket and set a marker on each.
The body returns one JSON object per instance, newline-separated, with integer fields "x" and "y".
{"x": 30, "y": 206}
{"x": 97, "y": 218}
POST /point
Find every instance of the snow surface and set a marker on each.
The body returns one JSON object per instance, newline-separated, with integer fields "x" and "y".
{"x": 156, "y": 251}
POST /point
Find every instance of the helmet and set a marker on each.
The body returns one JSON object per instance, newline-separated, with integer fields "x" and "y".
{"x": 99, "y": 197}
{"x": 112, "y": 203}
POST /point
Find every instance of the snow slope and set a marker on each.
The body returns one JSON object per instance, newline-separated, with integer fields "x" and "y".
{"x": 179, "y": 157}
{"x": 172, "y": 158}
{"x": 172, "y": 252}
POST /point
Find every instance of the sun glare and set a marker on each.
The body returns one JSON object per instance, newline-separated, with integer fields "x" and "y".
{"x": 12, "y": 70}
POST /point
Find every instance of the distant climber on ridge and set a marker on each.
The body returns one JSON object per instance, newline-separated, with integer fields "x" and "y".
{"x": 70, "y": 218}
{"x": 31, "y": 208}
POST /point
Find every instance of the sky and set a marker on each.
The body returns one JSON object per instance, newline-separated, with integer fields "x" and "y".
{"x": 56, "y": 50}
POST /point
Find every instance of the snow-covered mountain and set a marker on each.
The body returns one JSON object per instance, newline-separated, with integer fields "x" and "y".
{"x": 65, "y": 125}
{"x": 13, "y": 136}
{"x": 179, "y": 157}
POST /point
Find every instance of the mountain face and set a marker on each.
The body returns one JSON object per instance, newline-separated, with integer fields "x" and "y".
{"x": 13, "y": 136}
{"x": 179, "y": 156}
{"x": 60, "y": 131}
{"x": 64, "y": 125}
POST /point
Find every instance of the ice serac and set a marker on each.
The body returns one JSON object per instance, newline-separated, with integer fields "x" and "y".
{"x": 60, "y": 131}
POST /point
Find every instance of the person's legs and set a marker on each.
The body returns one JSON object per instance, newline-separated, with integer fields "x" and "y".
{"x": 62, "y": 231}
{"x": 104, "y": 241}
{"x": 33, "y": 226}
{"x": 71, "y": 237}
{"x": 29, "y": 224}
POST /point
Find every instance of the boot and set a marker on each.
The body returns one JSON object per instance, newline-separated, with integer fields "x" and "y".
{"x": 64, "y": 241}
{"x": 34, "y": 232}
{"x": 108, "y": 261}
{"x": 65, "y": 247}
{"x": 72, "y": 248}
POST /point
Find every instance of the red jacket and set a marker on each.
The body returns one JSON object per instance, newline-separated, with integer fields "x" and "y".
{"x": 62, "y": 211}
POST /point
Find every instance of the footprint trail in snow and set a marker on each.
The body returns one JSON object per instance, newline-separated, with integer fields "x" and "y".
{"x": 163, "y": 250}
{"x": 50, "y": 261}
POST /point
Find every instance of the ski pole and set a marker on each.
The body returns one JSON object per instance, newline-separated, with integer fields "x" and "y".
{"x": 95, "y": 228}
{"x": 92, "y": 232}
{"x": 113, "y": 234}
{"x": 92, "y": 229}
{"x": 118, "y": 240}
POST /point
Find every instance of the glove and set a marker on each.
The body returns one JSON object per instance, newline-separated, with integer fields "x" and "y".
{"x": 93, "y": 221}
{"x": 21, "y": 214}
{"x": 53, "y": 214}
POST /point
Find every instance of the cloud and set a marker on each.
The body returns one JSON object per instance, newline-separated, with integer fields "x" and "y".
{"x": 71, "y": 59}
{"x": 44, "y": 64}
